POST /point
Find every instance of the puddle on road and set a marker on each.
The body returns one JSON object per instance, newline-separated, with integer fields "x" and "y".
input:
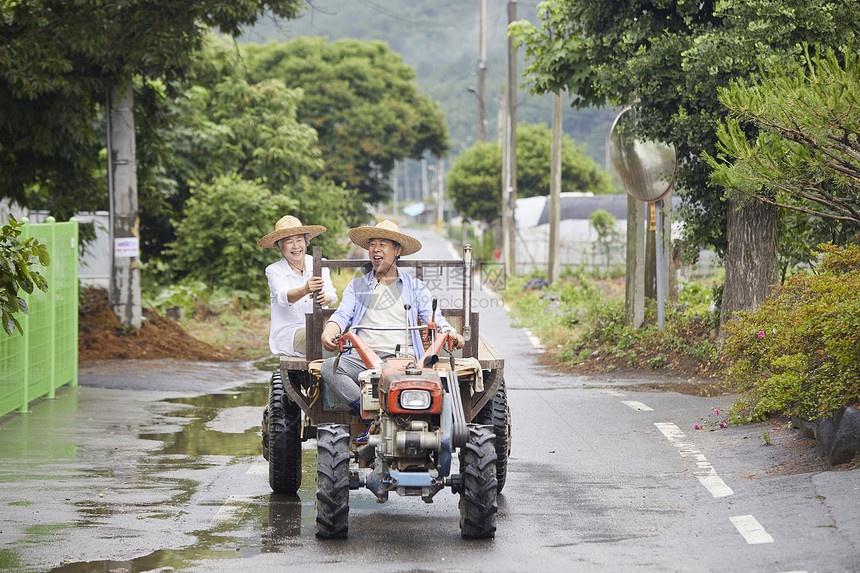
{"x": 216, "y": 425}
{"x": 270, "y": 524}
{"x": 200, "y": 434}
{"x": 213, "y": 429}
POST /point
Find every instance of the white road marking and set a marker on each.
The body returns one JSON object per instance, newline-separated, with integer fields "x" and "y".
{"x": 534, "y": 340}
{"x": 637, "y": 405}
{"x": 259, "y": 468}
{"x": 751, "y": 529}
{"x": 705, "y": 471}
{"x": 233, "y": 509}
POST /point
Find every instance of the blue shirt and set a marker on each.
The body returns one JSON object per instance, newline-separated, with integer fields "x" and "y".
{"x": 356, "y": 298}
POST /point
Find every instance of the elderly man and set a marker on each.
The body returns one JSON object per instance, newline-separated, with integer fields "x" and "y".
{"x": 378, "y": 299}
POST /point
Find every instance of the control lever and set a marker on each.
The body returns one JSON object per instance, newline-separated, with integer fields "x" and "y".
{"x": 431, "y": 328}
{"x": 467, "y": 303}
{"x": 406, "y": 307}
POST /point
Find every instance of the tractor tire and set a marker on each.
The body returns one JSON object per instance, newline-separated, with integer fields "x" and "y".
{"x": 497, "y": 413}
{"x": 478, "y": 497}
{"x": 332, "y": 481}
{"x": 282, "y": 443}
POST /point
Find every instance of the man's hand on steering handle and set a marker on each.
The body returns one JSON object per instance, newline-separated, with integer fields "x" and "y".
{"x": 329, "y": 334}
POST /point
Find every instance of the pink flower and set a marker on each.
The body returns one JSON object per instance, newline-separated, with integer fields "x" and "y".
{"x": 697, "y": 427}
{"x": 761, "y": 333}
{"x": 716, "y": 411}
{"x": 722, "y": 424}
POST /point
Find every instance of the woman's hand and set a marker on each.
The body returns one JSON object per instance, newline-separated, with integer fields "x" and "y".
{"x": 314, "y": 284}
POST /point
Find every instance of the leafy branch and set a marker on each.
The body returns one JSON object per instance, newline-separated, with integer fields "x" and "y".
{"x": 806, "y": 155}
{"x": 16, "y": 259}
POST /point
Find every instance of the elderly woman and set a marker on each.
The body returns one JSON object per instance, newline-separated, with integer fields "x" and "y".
{"x": 291, "y": 284}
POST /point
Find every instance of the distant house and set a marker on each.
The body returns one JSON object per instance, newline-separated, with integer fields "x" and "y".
{"x": 578, "y": 240}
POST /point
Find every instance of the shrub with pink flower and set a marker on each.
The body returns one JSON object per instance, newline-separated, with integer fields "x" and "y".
{"x": 808, "y": 365}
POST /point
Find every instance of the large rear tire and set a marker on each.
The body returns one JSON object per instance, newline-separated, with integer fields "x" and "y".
{"x": 332, "y": 481}
{"x": 284, "y": 419}
{"x": 497, "y": 413}
{"x": 478, "y": 499}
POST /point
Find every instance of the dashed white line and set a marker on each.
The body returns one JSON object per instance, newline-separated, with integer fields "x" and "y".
{"x": 751, "y": 529}
{"x": 233, "y": 509}
{"x": 614, "y": 393}
{"x": 705, "y": 472}
{"x": 637, "y": 405}
{"x": 533, "y": 339}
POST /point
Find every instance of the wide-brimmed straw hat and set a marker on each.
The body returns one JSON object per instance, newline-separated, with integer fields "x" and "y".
{"x": 287, "y": 227}
{"x": 386, "y": 229}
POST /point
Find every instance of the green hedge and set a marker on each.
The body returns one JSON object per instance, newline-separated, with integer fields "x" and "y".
{"x": 799, "y": 352}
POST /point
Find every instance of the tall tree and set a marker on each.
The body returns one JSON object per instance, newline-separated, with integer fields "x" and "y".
{"x": 668, "y": 58}
{"x": 362, "y": 100}
{"x": 56, "y": 59}
{"x": 54, "y": 53}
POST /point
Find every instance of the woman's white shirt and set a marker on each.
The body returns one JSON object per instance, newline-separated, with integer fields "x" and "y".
{"x": 288, "y": 317}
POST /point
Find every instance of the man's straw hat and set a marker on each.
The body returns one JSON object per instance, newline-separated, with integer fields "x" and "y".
{"x": 386, "y": 229}
{"x": 287, "y": 227}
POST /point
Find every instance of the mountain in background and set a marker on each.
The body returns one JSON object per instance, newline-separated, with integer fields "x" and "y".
{"x": 439, "y": 40}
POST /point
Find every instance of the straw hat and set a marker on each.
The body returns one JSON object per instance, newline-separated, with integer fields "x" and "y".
{"x": 287, "y": 227}
{"x": 386, "y": 229}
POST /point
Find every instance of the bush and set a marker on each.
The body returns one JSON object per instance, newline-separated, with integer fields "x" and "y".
{"x": 16, "y": 259}
{"x": 216, "y": 241}
{"x": 799, "y": 352}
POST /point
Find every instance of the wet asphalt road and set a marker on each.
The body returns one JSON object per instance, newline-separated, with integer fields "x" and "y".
{"x": 156, "y": 466}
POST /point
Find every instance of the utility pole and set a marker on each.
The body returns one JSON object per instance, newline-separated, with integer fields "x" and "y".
{"x": 394, "y": 192}
{"x": 509, "y": 162}
{"x": 482, "y": 68}
{"x": 441, "y": 196}
{"x": 124, "y": 292}
{"x": 424, "y": 186}
{"x": 555, "y": 190}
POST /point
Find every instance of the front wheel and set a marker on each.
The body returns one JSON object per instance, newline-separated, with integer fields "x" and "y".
{"x": 332, "y": 481}
{"x": 478, "y": 499}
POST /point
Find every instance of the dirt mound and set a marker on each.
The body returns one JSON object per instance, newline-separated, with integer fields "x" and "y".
{"x": 102, "y": 337}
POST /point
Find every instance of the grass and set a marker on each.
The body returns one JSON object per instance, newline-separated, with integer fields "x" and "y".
{"x": 581, "y": 320}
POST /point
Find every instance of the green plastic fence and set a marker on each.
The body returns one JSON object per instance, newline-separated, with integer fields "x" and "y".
{"x": 46, "y": 356}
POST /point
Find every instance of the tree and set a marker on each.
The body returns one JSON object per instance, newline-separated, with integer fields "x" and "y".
{"x": 475, "y": 181}
{"x": 56, "y": 59}
{"x": 557, "y": 61}
{"x": 216, "y": 238}
{"x": 219, "y": 124}
{"x": 17, "y": 258}
{"x": 806, "y": 154}
{"x": 363, "y": 102}
{"x": 220, "y": 223}
{"x": 669, "y": 58}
